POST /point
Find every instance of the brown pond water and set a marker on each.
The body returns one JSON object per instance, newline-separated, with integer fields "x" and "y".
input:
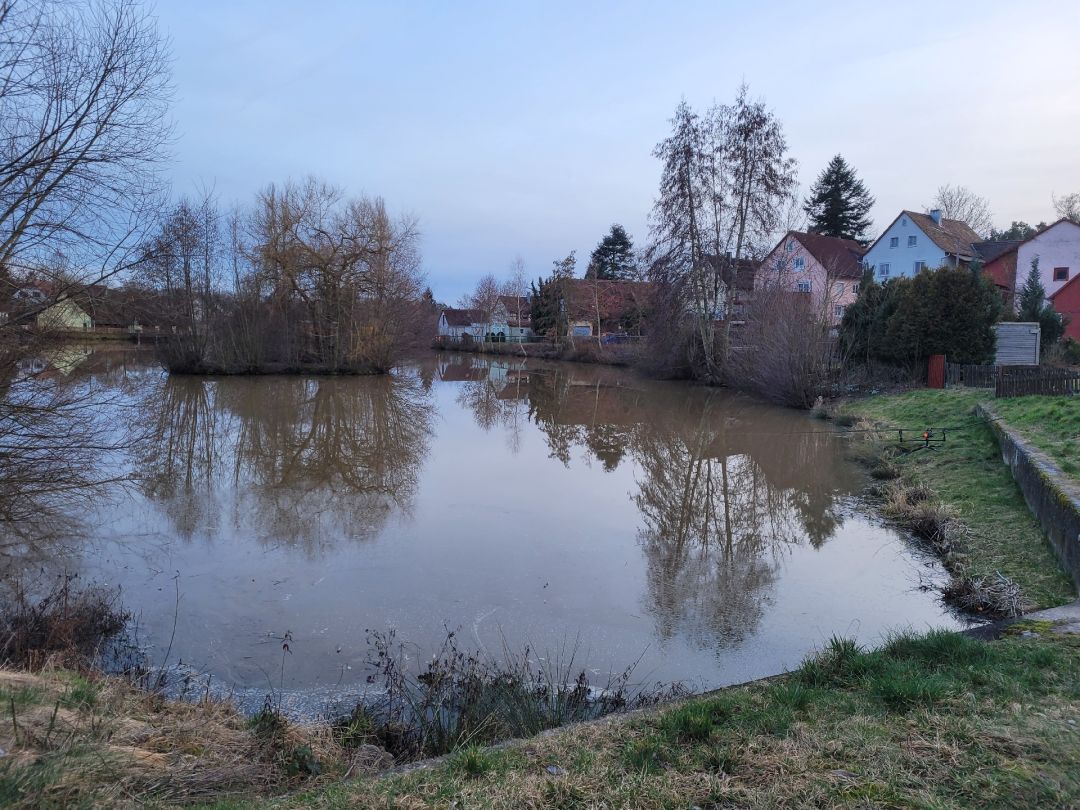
{"x": 711, "y": 536}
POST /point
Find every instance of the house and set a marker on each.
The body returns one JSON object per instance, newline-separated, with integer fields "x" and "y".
{"x": 64, "y": 316}
{"x": 511, "y": 317}
{"x": 916, "y": 242}
{"x": 739, "y": 276}
{"x": 462, "y": 324}
{"x": 1057, "y": 248}
{"x": 825, "y": 268}
{"x": 34, "y": 303}
{"x": 999, "y": 265}
{"x": 596, "y": 307}
{"x": 1066, "y": 301}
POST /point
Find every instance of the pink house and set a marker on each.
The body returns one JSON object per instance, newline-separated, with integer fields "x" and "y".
{"x": 825, "y": 268}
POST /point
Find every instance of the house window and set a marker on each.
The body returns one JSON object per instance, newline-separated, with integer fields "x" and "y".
{"x": 800, "y": 264}
{"x": 894, "y": 241}
{"x": 855, "y": 288}
{"x": 920, "y": 266}
{"x": 838, "y": 311}
{"x": 790, "y": 245}
{"x": 804, "y": 286}
{"x": 1061, "y": 274}
{"x": 883, "y": 270}
{"x": 838, "y": 288}
{"x": 911, "y": 241}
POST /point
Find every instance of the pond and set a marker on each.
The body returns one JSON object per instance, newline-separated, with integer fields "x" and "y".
{"x": 582, "y": 510}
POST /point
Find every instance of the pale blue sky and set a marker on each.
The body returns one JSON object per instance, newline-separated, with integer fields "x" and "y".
{"x": 526, "y": 128}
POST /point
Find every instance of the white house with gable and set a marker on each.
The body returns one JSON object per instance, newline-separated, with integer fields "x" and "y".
{"x": 915, "y": 242}
{"x": 462, "y": 324}
{"x": 1058, "y": 250}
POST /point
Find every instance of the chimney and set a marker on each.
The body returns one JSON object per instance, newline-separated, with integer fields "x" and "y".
{"x": 935, "y": 214}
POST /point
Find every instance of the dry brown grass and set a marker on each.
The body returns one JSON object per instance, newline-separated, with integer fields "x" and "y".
{"x": 94, "y": 740}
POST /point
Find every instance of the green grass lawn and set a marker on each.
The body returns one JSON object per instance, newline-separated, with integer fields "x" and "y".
{"x": 940, "y": 721}
{"x": 1051, "y": 423}
{"x": 967, "y": 473}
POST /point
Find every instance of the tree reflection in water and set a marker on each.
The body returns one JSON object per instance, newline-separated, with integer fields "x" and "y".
{"x": 724, "y": 484}
{"x": 310, "y": 459}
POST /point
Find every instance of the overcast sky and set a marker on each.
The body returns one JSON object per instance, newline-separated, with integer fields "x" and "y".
{"x": 514, "y": 128}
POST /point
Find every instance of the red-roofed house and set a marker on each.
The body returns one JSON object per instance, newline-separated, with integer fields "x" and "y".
{"x": 602, "y": 306}
{"x": 824, "y": 268}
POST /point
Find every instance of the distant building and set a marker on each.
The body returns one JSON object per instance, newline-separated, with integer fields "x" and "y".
{"x": 511, "y": 318}
{"x": 916, "y": 242}
{"x": 824, "y": 268}
{"x": 603, "y": 307}
{"x": 462, "y": 324}
{"x": 64, "y": 316}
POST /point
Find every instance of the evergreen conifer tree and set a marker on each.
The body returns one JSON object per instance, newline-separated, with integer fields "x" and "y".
{"x": 613, "y": 258}
{"x": 1034, "y": 308}
{"x": 839, "y": 204}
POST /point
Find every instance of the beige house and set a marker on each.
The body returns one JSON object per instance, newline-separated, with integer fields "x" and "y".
{"x": 66, "y": 316}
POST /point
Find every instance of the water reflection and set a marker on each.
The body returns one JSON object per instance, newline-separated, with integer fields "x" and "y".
{"x": 723, "y": 485}
{"x": 60, "y": 448}
{"x": 301, "y": 461}
{"x": 517, "y": 502}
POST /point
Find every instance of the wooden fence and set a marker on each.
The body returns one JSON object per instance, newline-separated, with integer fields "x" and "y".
{"x": 970, "y": 376}
{"x": 1018, "y": 381}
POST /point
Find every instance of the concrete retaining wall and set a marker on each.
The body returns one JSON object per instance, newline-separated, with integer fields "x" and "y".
{"x": 1050, "y": 494}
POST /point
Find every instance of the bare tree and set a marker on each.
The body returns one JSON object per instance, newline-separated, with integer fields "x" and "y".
{"x": 1068, "y": 206}
{"x": 319, "y": 281}
{"x": 516, "y": 287}
{"x": 724, "y": 182}
{"x": 963, "y": 204}
{"x": 84, "y": 91}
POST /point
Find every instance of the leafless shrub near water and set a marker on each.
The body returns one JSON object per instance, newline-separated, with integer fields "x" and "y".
{"x": 996, "y": 596}
{"x": 460, "y": 698}
{"x": 917, "y": 508}
{"x": 785, "y": 353}
{"x": 61, "y": 622}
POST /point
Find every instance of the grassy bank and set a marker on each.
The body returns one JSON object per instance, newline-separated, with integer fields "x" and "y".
{"x": 942, "y": 721}
{"x": 936, "y": 721}
{"x": 967, "y": 475}
{"x": 1052, "y": 424}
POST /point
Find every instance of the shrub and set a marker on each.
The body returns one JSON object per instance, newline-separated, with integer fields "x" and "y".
{"x": 948, "y": 311}
{"x": 460, "y": 697}
{"x": 60, "y": 620}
